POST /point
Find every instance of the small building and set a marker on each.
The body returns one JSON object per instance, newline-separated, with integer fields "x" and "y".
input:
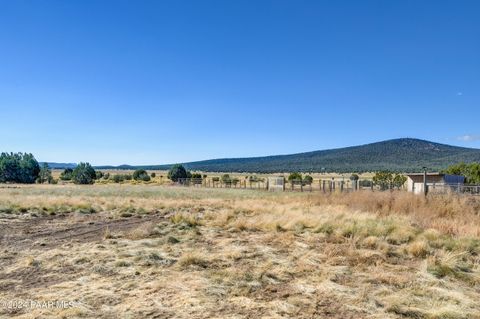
{"x": 415, "y": 181}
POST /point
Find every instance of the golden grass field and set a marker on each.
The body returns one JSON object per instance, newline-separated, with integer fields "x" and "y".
{"x": 146, "y": 251}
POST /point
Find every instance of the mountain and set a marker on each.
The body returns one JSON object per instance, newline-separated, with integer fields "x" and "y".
{"x": 402, "y": 155}
{"x": 54, "y": 165}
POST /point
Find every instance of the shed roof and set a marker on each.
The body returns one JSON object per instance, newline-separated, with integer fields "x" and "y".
{"x": 428, "y": 174}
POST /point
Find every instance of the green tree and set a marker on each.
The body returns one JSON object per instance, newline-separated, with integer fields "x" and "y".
{"x": 66, "y": 175}
{"x": 399, "y": 180}
{"x": 235, "y": 181}
{"x": 471, "y": 171}
{"x": 45, "y": 175}
{"x": 295, "y": 177}
{"x": 118, "y": 178}
{"x": 354, "y": 177}
{"x": 141, "y": 175}
{"x": 457, "y": 169}
{"x": 176, "y": 172}
{"x": 226, "y": 179}
{"x": 196, "y": 178}
{"x": 307, "y": 180}
{"x": 84, "y": 174}
{"x": 383, "y": 179}
{"x": 18, "y": 168}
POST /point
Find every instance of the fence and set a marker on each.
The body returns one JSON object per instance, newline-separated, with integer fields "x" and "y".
{"x": 276, "y": 184}
{"x": 454, "y": 188}
{"x": 320, "y": 185}
{"x": 219, "y": 183}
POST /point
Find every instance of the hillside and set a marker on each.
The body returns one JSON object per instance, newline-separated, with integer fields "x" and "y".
{"x": 405, "y": 154}
{"x": 54, "y": 165}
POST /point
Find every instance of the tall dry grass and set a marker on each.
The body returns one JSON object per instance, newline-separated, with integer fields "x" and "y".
{"x": 252, "y": 253}
{"x": 448, "y": 213}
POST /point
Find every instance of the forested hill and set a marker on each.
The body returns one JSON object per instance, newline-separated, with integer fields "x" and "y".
{"x": 403, "y": 155}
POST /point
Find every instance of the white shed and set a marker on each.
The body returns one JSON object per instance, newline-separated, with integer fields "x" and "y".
{"x": 415, "y": 181}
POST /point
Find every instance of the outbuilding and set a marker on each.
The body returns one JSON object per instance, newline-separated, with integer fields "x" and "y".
{"x": 415, "y": 181}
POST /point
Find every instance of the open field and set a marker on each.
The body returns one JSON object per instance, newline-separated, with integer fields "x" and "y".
{"x": 146, "y": 251}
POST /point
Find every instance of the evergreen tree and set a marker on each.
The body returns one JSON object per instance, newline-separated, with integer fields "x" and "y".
{"x": 176, "y": 172}
{"x": 18, "y": 168}
{"x": 45, "y": 175}
{"x": 141, "y": 175}
{"x": 84, "y": 174}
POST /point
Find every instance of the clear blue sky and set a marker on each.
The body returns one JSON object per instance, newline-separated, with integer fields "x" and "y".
{"x": 152, "y": 82}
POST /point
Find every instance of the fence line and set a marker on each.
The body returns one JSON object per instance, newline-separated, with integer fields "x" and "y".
{"x": 454, "y": 188}
{"x": 321, "y": 185}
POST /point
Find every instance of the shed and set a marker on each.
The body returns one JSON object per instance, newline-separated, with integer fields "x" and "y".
{"x": 415, "y": 181}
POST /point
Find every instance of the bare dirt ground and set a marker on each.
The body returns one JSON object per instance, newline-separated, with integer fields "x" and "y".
{"x": 143, "y": 252}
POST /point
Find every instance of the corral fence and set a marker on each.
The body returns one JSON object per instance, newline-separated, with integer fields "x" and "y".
{"x": 282, "y": 184}
{"x": 454, "y": 188}
{"x": 219, "y": 183}
{"x": 330, "y": 185}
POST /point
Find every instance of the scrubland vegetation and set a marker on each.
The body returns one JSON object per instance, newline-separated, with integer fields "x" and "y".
{"x": 153, "y": 251}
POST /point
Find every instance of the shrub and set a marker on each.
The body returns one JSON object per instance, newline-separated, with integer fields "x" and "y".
{"x": 354, "y": 177}
{"x": 176, "y": 172}
{"x": 98, "y": 174}
{"x": 18, "y": 168}
{"x": 387, "y": 180}
{"x": 84, "y": 174}
{"x": 141, "y": 175}
{"x": 308, "y": 180}
{"x": 153, "y": 175}
{"x": 118, "y": 178}
{"x": 383, "y": 179}
{"x": 197, "y": 178}
{"x": 45, "y": 175}
{"x": 66, "y": 175}
{"x": 399, "y": 180}
{"x": 226, "y": 179}
{"x": 295, "y": 177}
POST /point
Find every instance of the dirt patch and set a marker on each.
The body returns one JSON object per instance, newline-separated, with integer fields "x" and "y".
{"x": 50, "y": 231}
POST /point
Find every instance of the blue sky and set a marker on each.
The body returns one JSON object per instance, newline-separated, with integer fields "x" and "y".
{"x": 151, "y": 82}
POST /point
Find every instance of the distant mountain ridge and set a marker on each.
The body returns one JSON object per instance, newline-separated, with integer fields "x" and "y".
{"x": 54, "y": 165}
{"x": 402, "y": 155}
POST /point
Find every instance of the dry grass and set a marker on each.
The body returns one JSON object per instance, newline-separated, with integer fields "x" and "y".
{"x": 175, "y": 252}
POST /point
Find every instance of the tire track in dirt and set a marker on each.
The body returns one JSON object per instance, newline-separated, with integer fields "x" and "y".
{"x": 52, "y": 232}
{"x": 45, "y": 233}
